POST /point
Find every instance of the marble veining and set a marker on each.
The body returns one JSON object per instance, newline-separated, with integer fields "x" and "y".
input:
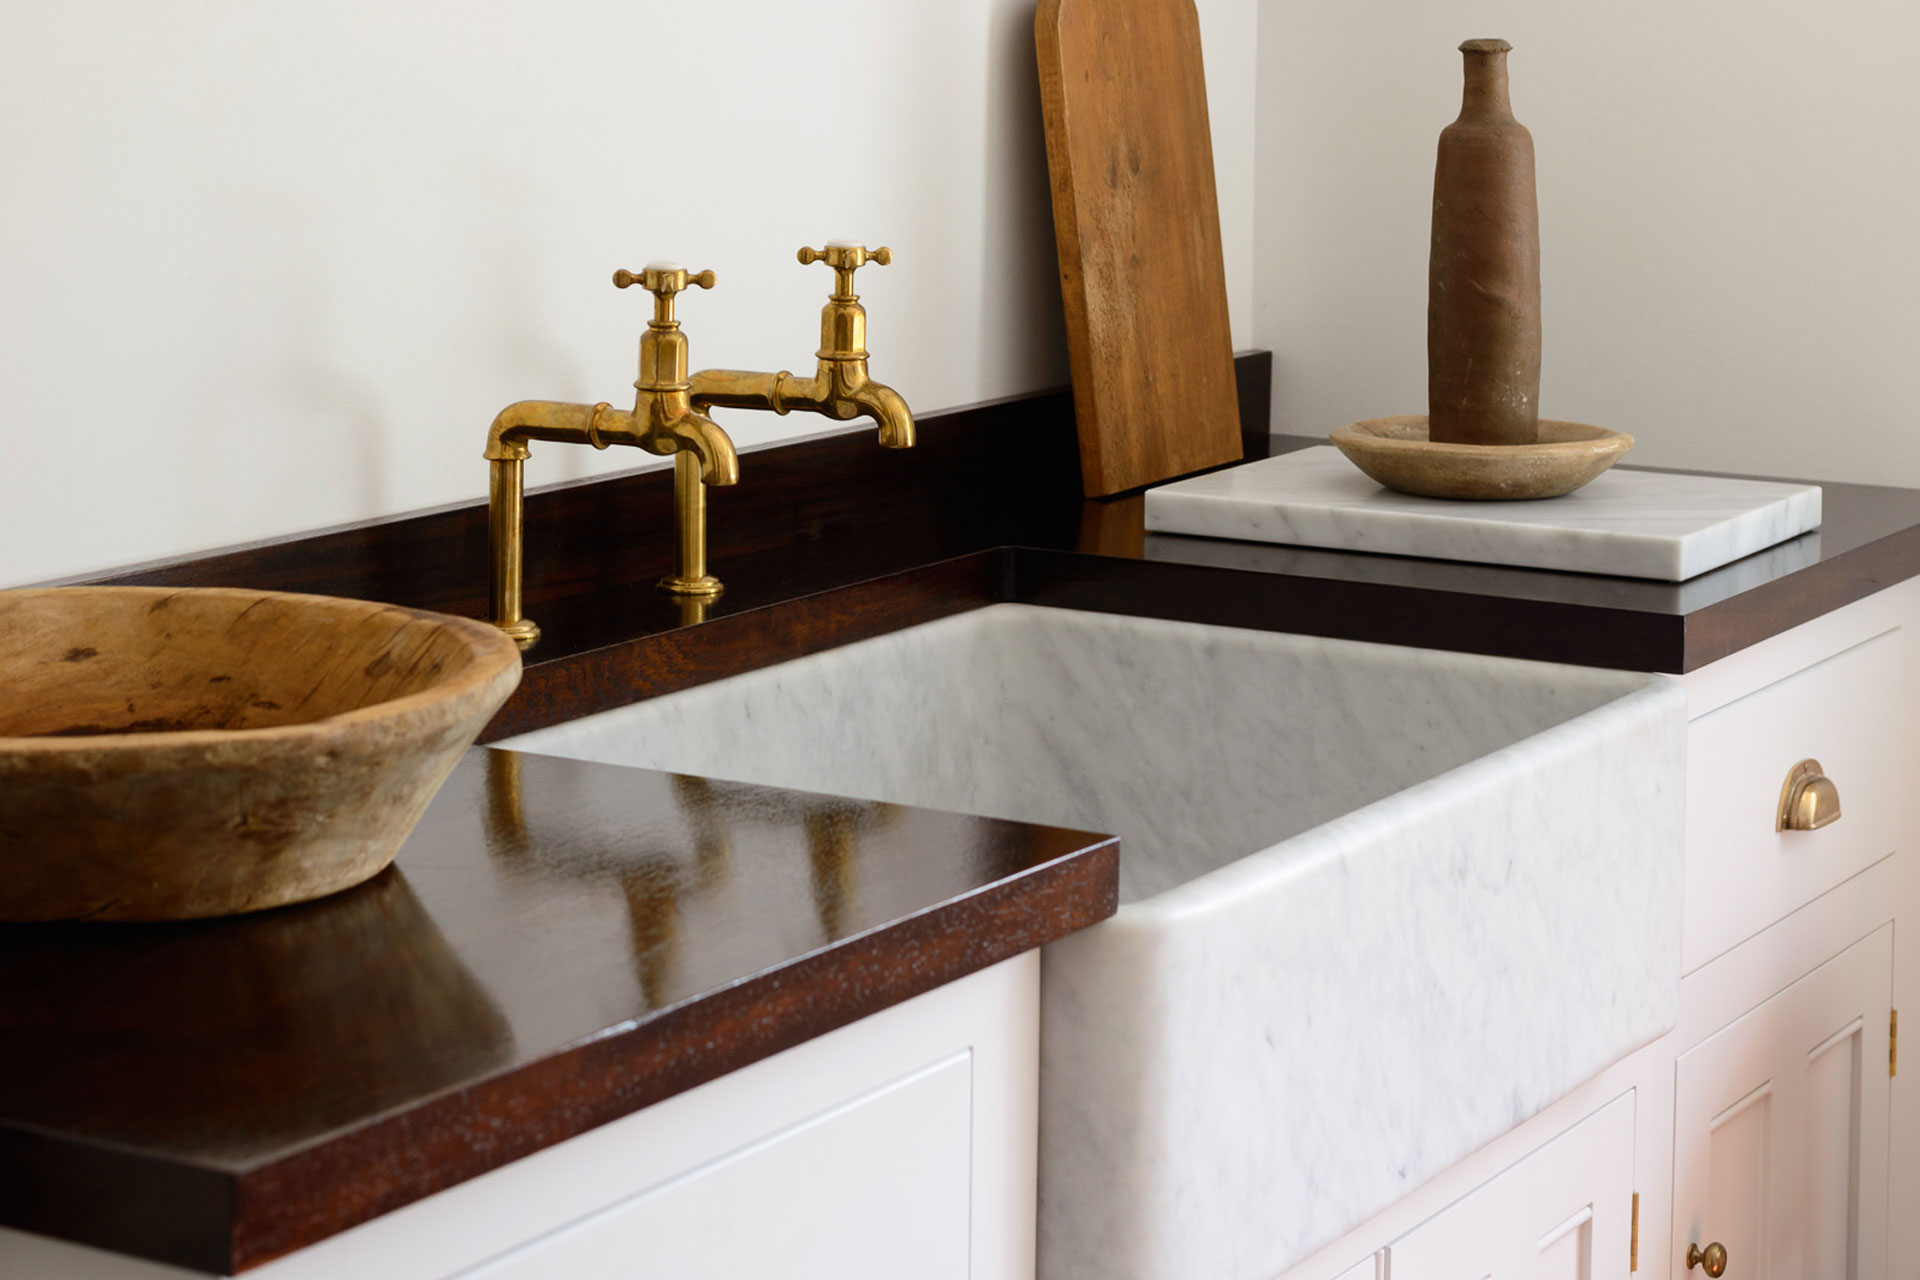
{"x": 1635, "y": 524}
{"x": 1379, "y": 904}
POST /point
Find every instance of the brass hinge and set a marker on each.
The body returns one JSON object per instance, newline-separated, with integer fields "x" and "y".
{"x": 1633, "y": 1250}
{"x": 1893, "y": 1043}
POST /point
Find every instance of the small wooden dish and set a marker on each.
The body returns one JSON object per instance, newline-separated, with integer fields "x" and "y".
{"x": 1397, "y": 453}
{"x": 170, "y": 754}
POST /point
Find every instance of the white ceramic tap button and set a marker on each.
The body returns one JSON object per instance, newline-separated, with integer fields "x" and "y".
{"x": 843, "y": 244}
{"x": 663, "y": 264}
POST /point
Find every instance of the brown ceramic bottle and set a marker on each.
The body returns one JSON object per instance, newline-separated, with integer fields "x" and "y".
{"x": 1483, "y": 278}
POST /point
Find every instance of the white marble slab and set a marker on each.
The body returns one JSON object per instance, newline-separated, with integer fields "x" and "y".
{"x": 1634, "y": 524}
{"x": 1378, "y": 904}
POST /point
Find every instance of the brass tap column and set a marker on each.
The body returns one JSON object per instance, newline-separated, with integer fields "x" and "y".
{"x": 663, "y": 375}
{"x": 662, "y": 421}
{"x": 505, "y": 520}
{"x": 690, "y": 511}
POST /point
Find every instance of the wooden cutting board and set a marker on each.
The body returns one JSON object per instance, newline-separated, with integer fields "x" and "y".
{"x": 1138, "y": 226}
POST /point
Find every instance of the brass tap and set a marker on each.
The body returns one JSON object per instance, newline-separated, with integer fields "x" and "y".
{"x": 840, "y": 388}
{"x": 667, "y": 418}
{"x": 663, "y": 421}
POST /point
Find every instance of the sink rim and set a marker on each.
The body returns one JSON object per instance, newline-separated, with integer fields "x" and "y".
{"x": 1304, "y": 853}
{"x": 1265, "y": 867}
{"x": 1400, "y": 881}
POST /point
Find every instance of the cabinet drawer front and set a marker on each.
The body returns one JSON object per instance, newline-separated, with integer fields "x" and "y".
{"x": 1565, "y": 1210}
{"x": 873, "y": 1190}
{"x": 1742, "y": 875}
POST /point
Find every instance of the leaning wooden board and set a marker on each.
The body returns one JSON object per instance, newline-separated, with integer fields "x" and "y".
{"x": 1138, "y": 225}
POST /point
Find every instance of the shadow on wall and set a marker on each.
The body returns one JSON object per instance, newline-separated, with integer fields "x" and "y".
{"x": 344, "y": 419}
{"x": 1019, "y": 265}
{"x": 523, "y": 347}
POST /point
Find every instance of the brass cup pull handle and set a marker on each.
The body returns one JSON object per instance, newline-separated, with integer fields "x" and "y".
{"x": 1712, "y": 1259}
{"x": 1808, "y": 800}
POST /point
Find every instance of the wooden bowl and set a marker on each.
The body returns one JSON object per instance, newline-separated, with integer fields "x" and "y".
{"x": 168, "y": 754}
{"x": 1397, "y": 453}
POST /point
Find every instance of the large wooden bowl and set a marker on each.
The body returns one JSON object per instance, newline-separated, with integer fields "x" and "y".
{"x": 168, "y": 754}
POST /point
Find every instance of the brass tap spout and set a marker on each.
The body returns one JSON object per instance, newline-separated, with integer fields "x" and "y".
{"x": 554, "y": 420}
{"x": 744, "y": 389}
{"x": 662, "y": 421}
{"x": 601, "y": 425}
{"x": 884, "y": 405}
{"x": 694, "y": 434}
{"x": 839, "y": 388}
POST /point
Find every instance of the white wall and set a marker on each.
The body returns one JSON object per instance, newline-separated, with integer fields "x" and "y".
{"x": 1729, "y": 218}
{"x": 272, "y": 266}
{"x": 268, "y": 267}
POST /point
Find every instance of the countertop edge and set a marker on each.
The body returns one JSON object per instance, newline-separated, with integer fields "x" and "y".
{"x": 395, "y": 1160}
{"x": 199, "y": 1215}
{"x": 239, "y": 1220}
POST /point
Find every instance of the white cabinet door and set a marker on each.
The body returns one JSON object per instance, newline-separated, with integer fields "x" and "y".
{"x": 1780, "y": 1129}
{"x": 1563, "y": 1213}
{"x": 874, "y": 1190}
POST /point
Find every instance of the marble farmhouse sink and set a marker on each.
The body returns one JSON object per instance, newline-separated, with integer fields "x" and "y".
{"x": 1378, "y": 904}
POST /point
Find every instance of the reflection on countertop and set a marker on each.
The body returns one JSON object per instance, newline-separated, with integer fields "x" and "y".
{"x": 226, "y": 1038}
{"x": 558, "y": 944}
{"x": 689, "y": 874}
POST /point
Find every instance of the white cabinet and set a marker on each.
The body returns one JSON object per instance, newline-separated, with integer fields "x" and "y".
{"x": 902, "y": 1145}
{"x": 877, "y": 1188}
{"x": 1766, "y": 1120}
{"x": 1780, "y": 1128}
{"x": 1563, "y": 1213}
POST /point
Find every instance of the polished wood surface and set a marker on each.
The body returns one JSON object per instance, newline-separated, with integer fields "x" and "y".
{"x": 804, "y": 519}
{"x": 845, "y": 540}
{"x": 557, "y": 945}
{"x": 1137, "y": 222}
{"x": 839, "y": 540}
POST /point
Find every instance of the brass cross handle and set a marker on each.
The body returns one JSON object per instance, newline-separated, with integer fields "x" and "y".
{"x": 663, "y": 279}
{"x": 1712, "y": 1259}
{"x": 845, "y": 257}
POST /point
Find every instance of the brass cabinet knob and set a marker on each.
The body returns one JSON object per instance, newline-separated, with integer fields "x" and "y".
{"x": 1808, "y": 799}
{"x": 1712, "y": 1259}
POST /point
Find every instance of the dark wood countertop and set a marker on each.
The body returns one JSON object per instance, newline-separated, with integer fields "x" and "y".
{"x": 1869, "y": 540}
{"x": 821, "y": 543}
{"x": 837, "y": 539}
{"x": 557, "y": 945}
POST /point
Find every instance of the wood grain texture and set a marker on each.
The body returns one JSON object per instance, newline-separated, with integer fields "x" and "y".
{"x": 168, "y": 754}
{"x": 839, "y": 540}
{"x": 558, "y": 945}
{"x": 1137, "y": 222}
{"x": 832, "y": 539}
